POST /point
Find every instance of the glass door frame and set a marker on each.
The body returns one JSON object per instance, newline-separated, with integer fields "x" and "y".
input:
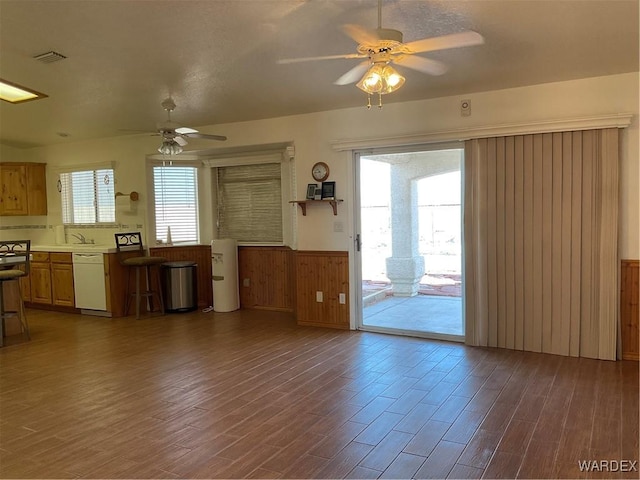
{"x": 356, "y": 265}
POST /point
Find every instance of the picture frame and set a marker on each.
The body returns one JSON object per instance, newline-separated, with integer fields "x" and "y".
{"x": 318, "y": 195}
{"x": 311, "y": 191}
{"x": 328, "y": 190}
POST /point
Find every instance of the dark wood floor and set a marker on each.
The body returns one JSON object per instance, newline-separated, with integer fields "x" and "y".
{"x": 250, "y": 394}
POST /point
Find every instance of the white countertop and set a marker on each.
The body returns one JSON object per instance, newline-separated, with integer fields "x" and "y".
{"x": 75, "y": 247}
{"x": 92, "y": 248}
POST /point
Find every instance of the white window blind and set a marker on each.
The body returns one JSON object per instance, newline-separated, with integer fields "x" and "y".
{"x": 250, "y": 203}
{"x": 176, "y": 203}
{"x": 88, "y": 197}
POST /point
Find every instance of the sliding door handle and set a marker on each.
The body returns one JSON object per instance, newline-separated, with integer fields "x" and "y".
{"x": 358, "y": 243}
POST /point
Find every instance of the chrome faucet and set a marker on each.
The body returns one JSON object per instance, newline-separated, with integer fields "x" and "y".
{"x": 80, "y": 237}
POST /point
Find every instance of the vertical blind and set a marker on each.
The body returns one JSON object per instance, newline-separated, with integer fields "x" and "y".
{"x": 176, "y": 203}
{"x": 541, "y": 242}
{"x": 87, "y": 197}
{"x": 250, "y": 203}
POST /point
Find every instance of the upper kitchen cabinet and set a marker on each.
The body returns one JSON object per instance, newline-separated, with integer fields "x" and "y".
{"x": 23, "y": 189}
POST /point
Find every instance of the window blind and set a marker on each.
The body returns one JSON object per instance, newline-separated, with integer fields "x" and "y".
{"x": 176, "y": 203}
{"x": 250, "y": 203}
{"x": 88, "y": 197}
{"x": 541, "y": 242}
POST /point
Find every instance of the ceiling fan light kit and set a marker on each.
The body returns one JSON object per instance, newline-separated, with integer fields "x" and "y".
{"x": 174, "y": 136}
{"x": 382, "y": 79}
{"x": 169, "y": 147}
{"x": 384, "y": 46}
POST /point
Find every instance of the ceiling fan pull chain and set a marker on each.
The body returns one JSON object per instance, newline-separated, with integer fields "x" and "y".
{"x": 369, "y": 102}
{"x": 379, "y": 100}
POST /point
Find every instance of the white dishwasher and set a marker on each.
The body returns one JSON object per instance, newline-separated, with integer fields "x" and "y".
{"x": 88, "y": 281}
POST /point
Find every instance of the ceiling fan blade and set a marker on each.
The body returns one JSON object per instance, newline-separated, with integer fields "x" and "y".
{"x": 180, "y": 141}
{"x": 168, "y": 125}
{"x": 183, "y": 130}
{"x": 324, "y": 57}
{"x": 424, "y": 65}
{"x": 455, "y": 40}
{"x": 354, "y": 74}
{"x": 360, "y": 34}
{"x": 205, "y": 136}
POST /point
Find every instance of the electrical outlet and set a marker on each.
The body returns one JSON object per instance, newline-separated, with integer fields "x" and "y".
{"x": 319, "y": 297}
{"x": 246, "y": 282}
{"x": 342, "y": 298}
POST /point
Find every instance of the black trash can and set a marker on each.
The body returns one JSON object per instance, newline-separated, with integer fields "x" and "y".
{"x": 180, "y": 286}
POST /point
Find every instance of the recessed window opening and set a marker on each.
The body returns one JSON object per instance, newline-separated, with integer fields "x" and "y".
{"x": 249, "y": 203}
{"x": 176, "y": 203}
{"x": 87, "y": 197}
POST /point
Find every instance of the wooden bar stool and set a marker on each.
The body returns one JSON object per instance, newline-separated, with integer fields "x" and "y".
{"x": 132, "y": 242}
{"x": 14, "y": 263}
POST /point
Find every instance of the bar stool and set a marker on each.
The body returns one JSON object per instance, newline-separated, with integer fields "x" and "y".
{"x": 13, "y": 255}
{"x": 132, "y": 242}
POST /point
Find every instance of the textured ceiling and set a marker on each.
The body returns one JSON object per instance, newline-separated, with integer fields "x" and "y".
{"x": 218, "y": 58}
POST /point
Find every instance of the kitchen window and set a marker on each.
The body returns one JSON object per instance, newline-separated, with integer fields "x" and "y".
{"x": 176, "y": 203}
{"x": 87, "y": 196}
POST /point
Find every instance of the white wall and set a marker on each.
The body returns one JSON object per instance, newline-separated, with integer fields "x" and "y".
{"x": 11, "y": 154}
{"x": 313, "y": 135}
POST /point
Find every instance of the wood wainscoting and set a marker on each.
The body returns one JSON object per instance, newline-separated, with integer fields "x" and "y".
{"x": 629, "y": 309}
{"x": 117, "y": 274}
{"x": 326, "y": 272}
{"x": 201, "y": 254}
{"x": 270, "y": 278}
{"x": 267, "y": 278}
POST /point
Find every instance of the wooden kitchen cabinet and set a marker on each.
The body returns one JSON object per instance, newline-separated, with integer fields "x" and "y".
{"x": 13, "y": 185}
{"x": 62, "y": 292}
{"x": 37, "y": 188}
{"x": 40, "y": 278}
{"x": 50, "y": 280}
{"x": 25, "y": 286}
{"x": 23, "y": 189}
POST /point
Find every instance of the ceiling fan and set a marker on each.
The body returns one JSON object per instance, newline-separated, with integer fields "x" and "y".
{"x": 383, "y": 46}
{"x": 174, "y": 136}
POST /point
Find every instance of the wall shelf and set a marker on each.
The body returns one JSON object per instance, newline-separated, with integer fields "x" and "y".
{"x": 303, "y": 204}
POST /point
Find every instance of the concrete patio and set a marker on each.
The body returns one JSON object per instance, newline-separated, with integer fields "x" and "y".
{"x": 436, "y": 309}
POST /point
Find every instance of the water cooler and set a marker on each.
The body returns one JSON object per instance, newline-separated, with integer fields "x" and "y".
{"x": 224, "y": 264}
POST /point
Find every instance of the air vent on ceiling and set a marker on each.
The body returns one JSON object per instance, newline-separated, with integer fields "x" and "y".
{"x": 50, "y": 57}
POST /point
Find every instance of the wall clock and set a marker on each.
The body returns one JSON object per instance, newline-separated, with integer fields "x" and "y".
{"x": 320, "y": 171}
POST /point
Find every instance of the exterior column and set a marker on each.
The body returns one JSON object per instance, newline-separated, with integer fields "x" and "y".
{"x": 405, "y": 268}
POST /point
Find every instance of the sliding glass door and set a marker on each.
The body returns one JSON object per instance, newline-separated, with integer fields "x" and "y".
{"x": 408, "y": 222}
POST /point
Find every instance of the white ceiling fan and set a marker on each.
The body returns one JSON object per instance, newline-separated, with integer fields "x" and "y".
{"x": 174, "y": 136}
{"x": 383, "y": 46}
